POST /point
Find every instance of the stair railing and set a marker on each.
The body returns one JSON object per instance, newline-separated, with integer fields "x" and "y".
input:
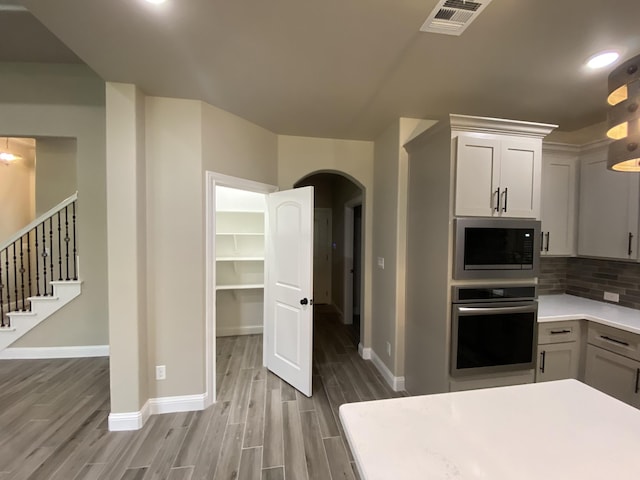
{"x": 43, "y": 251}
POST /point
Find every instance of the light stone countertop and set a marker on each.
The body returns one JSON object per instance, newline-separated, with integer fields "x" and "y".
{"x": 555, "y": 430}
{"x": 554, "y": 308}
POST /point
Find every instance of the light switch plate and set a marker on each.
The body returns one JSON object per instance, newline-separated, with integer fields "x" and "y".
{"x": 381, "y": 262}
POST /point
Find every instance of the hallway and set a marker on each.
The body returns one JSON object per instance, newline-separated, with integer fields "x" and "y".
{"x": 53, "y": 419}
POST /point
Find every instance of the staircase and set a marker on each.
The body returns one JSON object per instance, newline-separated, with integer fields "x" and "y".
{"x": 38, "y": 271}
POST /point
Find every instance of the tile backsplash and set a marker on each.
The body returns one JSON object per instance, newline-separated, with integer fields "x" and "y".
{"x": 590, "y": 278}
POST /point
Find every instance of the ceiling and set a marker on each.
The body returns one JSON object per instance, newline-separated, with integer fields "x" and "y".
{"x": 338, "y": 68}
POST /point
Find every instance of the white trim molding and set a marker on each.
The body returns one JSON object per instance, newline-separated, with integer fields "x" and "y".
{"x": 239, "y": 330}
{"x": 365, "y": 352}
{"x": 466, "y": 123}
{"x": 396, "y": 383}
{"x": 55, "y": 352}
{"x": 122, "y": 422}
{"x": 119, "y": 422}
{"x": 182, "y": 403}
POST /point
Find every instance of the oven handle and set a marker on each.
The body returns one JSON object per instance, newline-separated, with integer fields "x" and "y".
{"x": 493, "y": 310}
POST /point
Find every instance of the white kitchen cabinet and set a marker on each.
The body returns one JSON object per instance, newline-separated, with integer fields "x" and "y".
{"x": 613, "y": 362}
{"x": 558, "y": 200}
{"x": 558, "y": 351}
{"x": 557, "y": 361}
{"x": 613, "y": 374}
{"x": 609, "y": 209}
{"x": 498, "y": 176}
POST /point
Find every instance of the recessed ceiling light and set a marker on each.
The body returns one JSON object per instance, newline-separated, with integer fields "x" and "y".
{"x": 157, "y": 2}
{"x": 602, "y": 59}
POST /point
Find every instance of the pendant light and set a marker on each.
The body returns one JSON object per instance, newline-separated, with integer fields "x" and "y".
{"x": 624, "y": 117}
{"x": 6, "y": 156}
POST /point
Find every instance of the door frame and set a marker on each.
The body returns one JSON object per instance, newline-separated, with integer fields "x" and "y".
{"x": 348, "y": 263}
{"x": 214, "y": 179}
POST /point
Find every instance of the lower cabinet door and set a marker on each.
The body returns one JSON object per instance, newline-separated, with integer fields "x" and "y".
{"x": 613, "y": 374}
{"x": 557, "y": 361}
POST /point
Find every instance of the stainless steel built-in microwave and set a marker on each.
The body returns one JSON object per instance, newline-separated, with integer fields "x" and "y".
{"x": 496, "y": 248}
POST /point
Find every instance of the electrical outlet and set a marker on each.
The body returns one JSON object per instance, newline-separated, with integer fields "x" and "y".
{"x": 389, "y": 349}
{"x": 381, "y": 263}
{"x": 161, "y": 372}
{"x": 612, "y": 297}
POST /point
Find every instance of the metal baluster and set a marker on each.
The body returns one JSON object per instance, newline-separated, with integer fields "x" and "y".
{"x": 51, "y": 251}
{"x": 75, "y": 267}
{"x": 15, "y": 276}
{"x": 22, "y": 273}
{"x": 66, "y": 235}
{"x": 29, "y": 264}
{"x": 59, "y": 250}
{"x": 2, "y": 324}
{"x": 37, "y": 265}
{"x": 44, "y": 259}
{"x": 6, "y": 256}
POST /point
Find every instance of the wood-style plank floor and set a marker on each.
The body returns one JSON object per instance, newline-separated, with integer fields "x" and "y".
{"x": 53, "y": 419}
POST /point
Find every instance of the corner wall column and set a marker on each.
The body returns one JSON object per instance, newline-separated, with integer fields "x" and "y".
{"x": 126, "y": 247}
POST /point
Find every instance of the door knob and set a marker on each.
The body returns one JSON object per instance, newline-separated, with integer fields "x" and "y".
{"x": 304, "y": 301}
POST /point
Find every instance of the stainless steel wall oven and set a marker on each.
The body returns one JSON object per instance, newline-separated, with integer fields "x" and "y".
{"x": 494, "y": 329}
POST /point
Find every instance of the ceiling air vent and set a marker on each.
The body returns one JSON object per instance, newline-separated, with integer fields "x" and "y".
{"x": 452, "y": 17}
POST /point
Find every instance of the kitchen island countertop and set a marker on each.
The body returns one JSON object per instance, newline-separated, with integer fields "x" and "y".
{"x": 553, "y": 430}
{"x": 554, "y": 308}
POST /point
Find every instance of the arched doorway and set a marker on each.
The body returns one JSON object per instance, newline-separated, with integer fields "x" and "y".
{"x": 338, "y": 248}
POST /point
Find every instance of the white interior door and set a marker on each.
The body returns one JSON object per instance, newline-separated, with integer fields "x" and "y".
{"x": 288, "y": 318}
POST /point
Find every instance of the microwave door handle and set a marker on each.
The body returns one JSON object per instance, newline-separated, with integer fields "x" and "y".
{"x": 494, "y": 310}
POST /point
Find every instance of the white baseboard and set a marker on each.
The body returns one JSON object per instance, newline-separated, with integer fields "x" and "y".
{"x": 241, "y": 330}
{"x": 396, "y": 383}
{"x": 365, "y": 352}
{"x": 182, "y": 403}
{"x": 119, "y": 422}
{"x": 54, "y": 352}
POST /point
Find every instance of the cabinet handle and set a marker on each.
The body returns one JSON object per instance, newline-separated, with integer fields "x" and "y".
{"x": 637, "y": 379}
{"x": 497, "y": 194}
{"x": 546, "y": 248}
{"x": 558, "y": 332}
{"x": 542, "y": 241}
{"x": 629, "y": 250}
{"x": 506, "y": 197}
{"x": 543, "y": 354}
{"x": 619, "y": 342}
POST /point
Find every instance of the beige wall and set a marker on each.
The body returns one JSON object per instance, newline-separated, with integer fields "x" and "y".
{"x": 67, "y": 101}
{"x": 16, "y": 190}
{"x": 234, "y": 146}
{"x": 175, "y": 245}
{"x": 390, "y": 239}
{"x": 126, "y": 246}
{"x": 56, "y": 177}
{"x": 301, "y": 156}
{"x": 343, "y": 191}
{"x": 384, "y": 244}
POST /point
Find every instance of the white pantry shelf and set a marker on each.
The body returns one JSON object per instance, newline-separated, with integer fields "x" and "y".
{"x": 248, "y": 286}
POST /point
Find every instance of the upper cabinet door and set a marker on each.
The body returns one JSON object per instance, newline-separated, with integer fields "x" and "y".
{"x": 497, "y": 177}
{"x": 558, "y": 203}
{"x": 608, "y": 218}
{"x": 477, "y": 176}
{"x": 520, "y": 166}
